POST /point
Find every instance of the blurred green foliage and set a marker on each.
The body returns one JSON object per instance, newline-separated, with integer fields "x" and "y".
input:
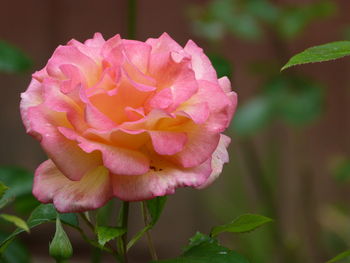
{"x": 295, "y": 100}
{"x": 340, "y": 168}
{"x": 221, "y": 65}
{"x": 19, "y": 181}
{"x": 13, "y": 60}
{"x": 247, "y": 19}
{"x": 15, "y": 253}
{"x": 287, "y": 100}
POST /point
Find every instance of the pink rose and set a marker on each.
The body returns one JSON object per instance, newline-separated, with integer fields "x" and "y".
{"x": 128, "y": 119}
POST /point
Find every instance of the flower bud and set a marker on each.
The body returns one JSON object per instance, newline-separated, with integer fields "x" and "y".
{"x": 60, "y": 247}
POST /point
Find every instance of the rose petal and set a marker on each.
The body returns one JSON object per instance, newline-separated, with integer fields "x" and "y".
{"x": 178, "y": 81}
{"x": 163, "y": 44}
{"x": 198, "y": 112}
{"x": 96, "y": 42}
{"x": 138, "y": 53}
{"x": 221, "y": 105}
{"x": 55, "y": 100}
{"x": 90, "y": 48}
{"x": 161, "y": 52}
{"x": 200, "y": 145}
{"x": 96, "y": 119}
{"x": 66, "y": 154}
{"x": 118, "y": 160}
{"x": 108, "y": 50}
{"x": 161, "y": 180}
{"x": 225, "y": 84}
{"x": 201, "y": 63}
{"x": 32, "y": 97}
{"x": 219, "y": 158}
{"x": 72, "y": 55}
{"x": 168, "y": 143}
{"x": 91, "y": 192}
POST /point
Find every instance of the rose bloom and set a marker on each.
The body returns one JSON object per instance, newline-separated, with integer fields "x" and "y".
{"x": 126, "y": 118}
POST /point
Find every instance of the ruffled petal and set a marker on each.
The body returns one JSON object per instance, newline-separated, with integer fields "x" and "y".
{"x": 138, "y": 53}
{"x": 72, "y": 55}
{"x": 168, "y": 143}
{"x": 96, "y": 42}
{"x": 31, "y": 98}
{"x": 110, "y": 51}
{"x": 221, "y": 104}
{"x": 117, "y": 159}
{"x": 96, "y": 119}
{"x": 91, "y": 192}
{"x": 161, "y": 180}
{"x": 55, "y": 100}
{"x": 225, "y": 84}
{"x": 90, "y": 48}
{"x": 201, "y": 63}
{"x": 198, "y": 112}
{"x": 219, "y": 158}
{"x": 176, "y": 83}
{"x": 161, "y": 52}
{"x": 163, "y": 44}
{"x": 201, "y": 143}
{"x": 66, "y": 154}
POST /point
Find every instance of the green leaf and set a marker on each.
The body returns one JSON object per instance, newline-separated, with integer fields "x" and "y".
{"x": 16, "y": 221}
{"x": 222, "y": 66}
{"x": 242, "y": 224}
{"x": 12, "y": 59}
{"x": 204, "y": 249}
{"x": 3, "y": 189}
{"x": 42, "y": 214}
{"x": 155, "y": 207}
{"x": 60, "y": 246}
{"x": 326, "y": 52}
{"x": 105, "y": 234}
{"x": 341, "y": 256}
{"x": 47, "y": 213}
{"x": 253, "y": 116}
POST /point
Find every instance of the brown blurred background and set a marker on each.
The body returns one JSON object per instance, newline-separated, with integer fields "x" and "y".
{"x": 305, "y": 186}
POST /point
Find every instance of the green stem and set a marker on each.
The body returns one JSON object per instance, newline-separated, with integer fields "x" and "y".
{"x": 151, "y": 246}
{"x": 87, "y": 221}
{"x": 93, "y": 243}
{"x": 132, "y": 11}
{"x": 124, "y": 224}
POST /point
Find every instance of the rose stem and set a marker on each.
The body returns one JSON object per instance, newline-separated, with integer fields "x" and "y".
{"x": 132, "y": 6}
{"x": 124, "y": 224}
{"x": 87, "y": 221}
{"x": 151, "y": 247}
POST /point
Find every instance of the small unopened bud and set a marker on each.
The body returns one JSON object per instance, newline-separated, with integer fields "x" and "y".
{"x": 60, "y": 246}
